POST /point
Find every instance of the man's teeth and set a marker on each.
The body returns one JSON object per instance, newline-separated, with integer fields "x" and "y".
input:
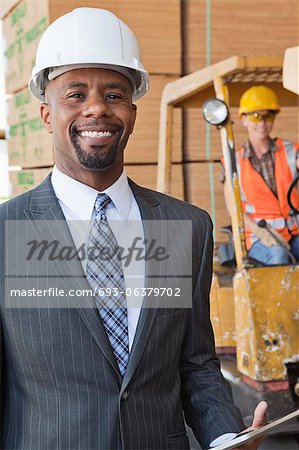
{"x": 97, "y": 134}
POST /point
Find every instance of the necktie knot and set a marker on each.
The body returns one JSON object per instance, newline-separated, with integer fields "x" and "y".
{"x": 101, "y": 203}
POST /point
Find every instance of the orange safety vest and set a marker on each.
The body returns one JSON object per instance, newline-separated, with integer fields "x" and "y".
{"x": 259, "y": 202}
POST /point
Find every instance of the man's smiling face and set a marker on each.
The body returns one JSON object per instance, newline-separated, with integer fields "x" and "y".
{"x": 91, "y": 116}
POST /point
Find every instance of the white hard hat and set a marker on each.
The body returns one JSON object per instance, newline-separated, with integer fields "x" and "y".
{"x": 83, "y": 38}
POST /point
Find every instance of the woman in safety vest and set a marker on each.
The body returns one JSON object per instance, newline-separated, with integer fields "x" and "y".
{"x": 266, "y": 168}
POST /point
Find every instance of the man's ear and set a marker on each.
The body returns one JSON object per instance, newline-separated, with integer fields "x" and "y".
{"x": 46, "y": 116}
{"x": 134, "y": 115}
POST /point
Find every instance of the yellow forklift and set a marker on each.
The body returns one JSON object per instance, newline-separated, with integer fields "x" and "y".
{"x": 254, "y": 309}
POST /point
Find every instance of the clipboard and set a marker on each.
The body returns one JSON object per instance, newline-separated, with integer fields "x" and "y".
{"x": 247, "y": 436}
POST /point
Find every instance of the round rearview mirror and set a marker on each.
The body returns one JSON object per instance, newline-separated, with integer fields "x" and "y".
{"x": 215, "y": 111}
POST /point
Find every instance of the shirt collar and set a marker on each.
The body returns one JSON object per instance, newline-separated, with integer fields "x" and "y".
{"x": 80, "y": 198}
{"x": 248, "y": 151}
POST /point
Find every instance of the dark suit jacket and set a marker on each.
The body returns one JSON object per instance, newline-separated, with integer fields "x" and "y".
{"x": 60, "y": 384}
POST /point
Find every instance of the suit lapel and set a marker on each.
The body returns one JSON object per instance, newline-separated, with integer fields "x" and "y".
{"x": 45, "y": 206}
{"x": 150, "y": 210}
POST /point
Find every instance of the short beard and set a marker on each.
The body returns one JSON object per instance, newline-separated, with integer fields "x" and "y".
{"x": 97, "y": 160}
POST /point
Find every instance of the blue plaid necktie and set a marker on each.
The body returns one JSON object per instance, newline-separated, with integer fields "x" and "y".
{"x": 105, "y": 275}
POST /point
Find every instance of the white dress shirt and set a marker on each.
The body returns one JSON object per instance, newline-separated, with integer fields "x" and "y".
{"x": 77, "y": 203}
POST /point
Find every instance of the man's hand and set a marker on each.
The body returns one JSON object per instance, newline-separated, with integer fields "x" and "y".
{"x": 267, "y": 238}
{"x": 259, "y": 419}
{"x": 281, "y": 239}
{"x": 264, "y": 236}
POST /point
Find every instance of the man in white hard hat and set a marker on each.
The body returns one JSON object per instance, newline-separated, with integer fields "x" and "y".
{"x": 98, "y": 373}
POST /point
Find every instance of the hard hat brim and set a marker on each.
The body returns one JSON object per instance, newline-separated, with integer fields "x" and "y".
{"x": 137, "y": 78}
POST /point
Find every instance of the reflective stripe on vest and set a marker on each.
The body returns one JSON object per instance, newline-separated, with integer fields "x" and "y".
{"x": 274, "y": 223}
{"x": 291, "y": 156}
{"x": 250, "y": 209}
{"x": 293, "y": 223}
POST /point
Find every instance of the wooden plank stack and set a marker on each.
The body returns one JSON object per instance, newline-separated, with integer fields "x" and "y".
{"x": 157, "y": 26}
{"x": 217, "y": 29}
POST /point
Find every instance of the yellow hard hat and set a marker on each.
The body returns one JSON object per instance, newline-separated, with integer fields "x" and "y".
{"x": 257, "y": 98}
